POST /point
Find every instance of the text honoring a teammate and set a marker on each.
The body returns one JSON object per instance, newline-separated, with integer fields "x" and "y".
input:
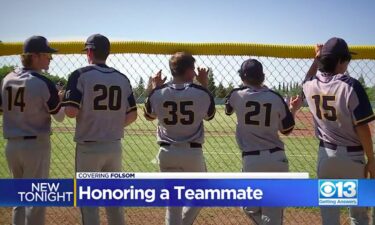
{"x": 177, "y": 193}
{"x": 218, "y": 194}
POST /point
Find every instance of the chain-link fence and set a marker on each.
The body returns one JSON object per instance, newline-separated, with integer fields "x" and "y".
{"x": 284, "y": 75}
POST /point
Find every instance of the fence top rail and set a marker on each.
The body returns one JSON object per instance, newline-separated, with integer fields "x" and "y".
{"x": 246, "y": 49}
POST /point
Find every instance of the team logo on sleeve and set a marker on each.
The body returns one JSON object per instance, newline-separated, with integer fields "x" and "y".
{"x": 338, "y": 192}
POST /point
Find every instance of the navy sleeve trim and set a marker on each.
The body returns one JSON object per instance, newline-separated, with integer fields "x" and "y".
{"x": 211, "y": 109}
{"x": 288, "y": 122}
{"x": 72, "y": 94}
{"x": 228, "y": 107}
{"x": 53, "y": 102}
{"x": 365, "y": 120}
{"x": 363, "y": 112}
{"x": 229, "y": 110}
{"x": 131, "y": 101}
{"x": 148, "y": 108}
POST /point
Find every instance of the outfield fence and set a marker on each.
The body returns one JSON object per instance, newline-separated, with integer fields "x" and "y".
{"x": 285, "y": 68}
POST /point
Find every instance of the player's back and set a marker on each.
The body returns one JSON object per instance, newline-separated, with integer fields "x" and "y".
{"x": 181, "y": 109}
{"x": 103, "y": 96}
{"x": 338, "y": 104}
{"x": 261, "y": 113}
{"x": 27, "y": 98}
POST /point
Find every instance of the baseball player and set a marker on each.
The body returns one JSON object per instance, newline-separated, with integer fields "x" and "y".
{"x": 102, "y": 101}
{"x": 261, "y": 113}
{"x": 27, "y": 100}
{"x": 180, "y": 107}
{"x": 342, "y": 112}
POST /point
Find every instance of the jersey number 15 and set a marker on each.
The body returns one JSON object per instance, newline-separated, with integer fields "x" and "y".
{"x": 322, "y": 102}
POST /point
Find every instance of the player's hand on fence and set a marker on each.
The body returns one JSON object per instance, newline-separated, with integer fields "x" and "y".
{"x": 370, "y": 169}
{"x": 202, "y": 76}
{"x": 318, "y": 48}
{"x": 61, "y": 94}
{"x": 155, "y": 81}
{"x": 295, "y": 103}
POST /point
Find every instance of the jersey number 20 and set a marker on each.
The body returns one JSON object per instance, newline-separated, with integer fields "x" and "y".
{"x": 113, "y": 94}
{"x": 174, "y": 107}
{"x": 18, "y": 99}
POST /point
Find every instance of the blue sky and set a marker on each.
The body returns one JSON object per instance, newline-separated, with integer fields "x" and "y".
{"x": 278, "y": 22}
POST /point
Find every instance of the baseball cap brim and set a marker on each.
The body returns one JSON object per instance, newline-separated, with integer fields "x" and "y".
{"x": 51, "y": 50}
{"x": 88, "y": 47}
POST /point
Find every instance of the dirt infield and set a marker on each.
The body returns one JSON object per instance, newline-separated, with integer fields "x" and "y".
{"x": 155, "y": 216}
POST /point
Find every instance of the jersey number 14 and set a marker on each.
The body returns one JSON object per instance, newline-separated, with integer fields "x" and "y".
{"x": 18, "y": 98}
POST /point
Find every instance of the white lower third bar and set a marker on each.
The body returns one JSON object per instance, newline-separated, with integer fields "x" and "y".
{"x": 186, "y": 175}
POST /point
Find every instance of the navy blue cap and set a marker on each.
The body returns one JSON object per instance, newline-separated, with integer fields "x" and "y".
{"x": 336, "y": 47}
{"x": 251, "y": 68}
{"x": 98, "y": 42}
{"x": 37, "y": 44}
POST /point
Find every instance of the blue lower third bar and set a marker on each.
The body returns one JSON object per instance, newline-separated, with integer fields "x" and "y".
{"x": 36, "y": 192}
{"x": 187, "y": 192}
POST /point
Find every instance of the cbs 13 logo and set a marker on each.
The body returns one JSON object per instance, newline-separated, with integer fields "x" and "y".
{"x": 338, "y": 188}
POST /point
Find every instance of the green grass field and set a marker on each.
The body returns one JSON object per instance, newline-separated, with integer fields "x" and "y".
{"x": 140, "y": 148}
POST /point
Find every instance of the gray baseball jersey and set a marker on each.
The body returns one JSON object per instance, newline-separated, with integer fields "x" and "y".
{"x": 180, "y": 109}
{"x": 27, "y": 100}
{"x": 261, "y": 113}
{"x": 338, "y": 104}
{"x": 104, "y": 96}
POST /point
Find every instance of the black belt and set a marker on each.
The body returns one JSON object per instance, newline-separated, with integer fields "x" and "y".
{"x": 97, "y": 141}
{"x": 29, "y": 137}
{"x": 334, "y": 147}
{"x": 272, "y": 150}
{"x": 192, "y": 145}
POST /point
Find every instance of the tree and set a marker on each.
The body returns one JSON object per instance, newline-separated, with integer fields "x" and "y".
{"x": 54, "y": 78}
{"x": 220, "y": 91}
{"x": 5, "y": 70}
{"x": 371, "y": 94}
{"x": 361, "y": 80}
{"x": 140, "y": 89}
{"x": 229, "y": 89}
{"x": 211, "y": 82}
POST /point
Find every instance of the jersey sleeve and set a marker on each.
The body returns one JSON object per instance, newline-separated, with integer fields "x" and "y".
{"x": 148, "y": 110}
{"x": 131, "y": 103}
{"x": 1, "y": 96}
{"x": 229, "y": 110}
{"x": 53, "y": 101}
{"x": 73, "y": 93}
{"x": 51, "y": 95}
{"x": 286, "y": 124}
{"x": 359, "y": 105}
{"x": 211, "y": 108}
